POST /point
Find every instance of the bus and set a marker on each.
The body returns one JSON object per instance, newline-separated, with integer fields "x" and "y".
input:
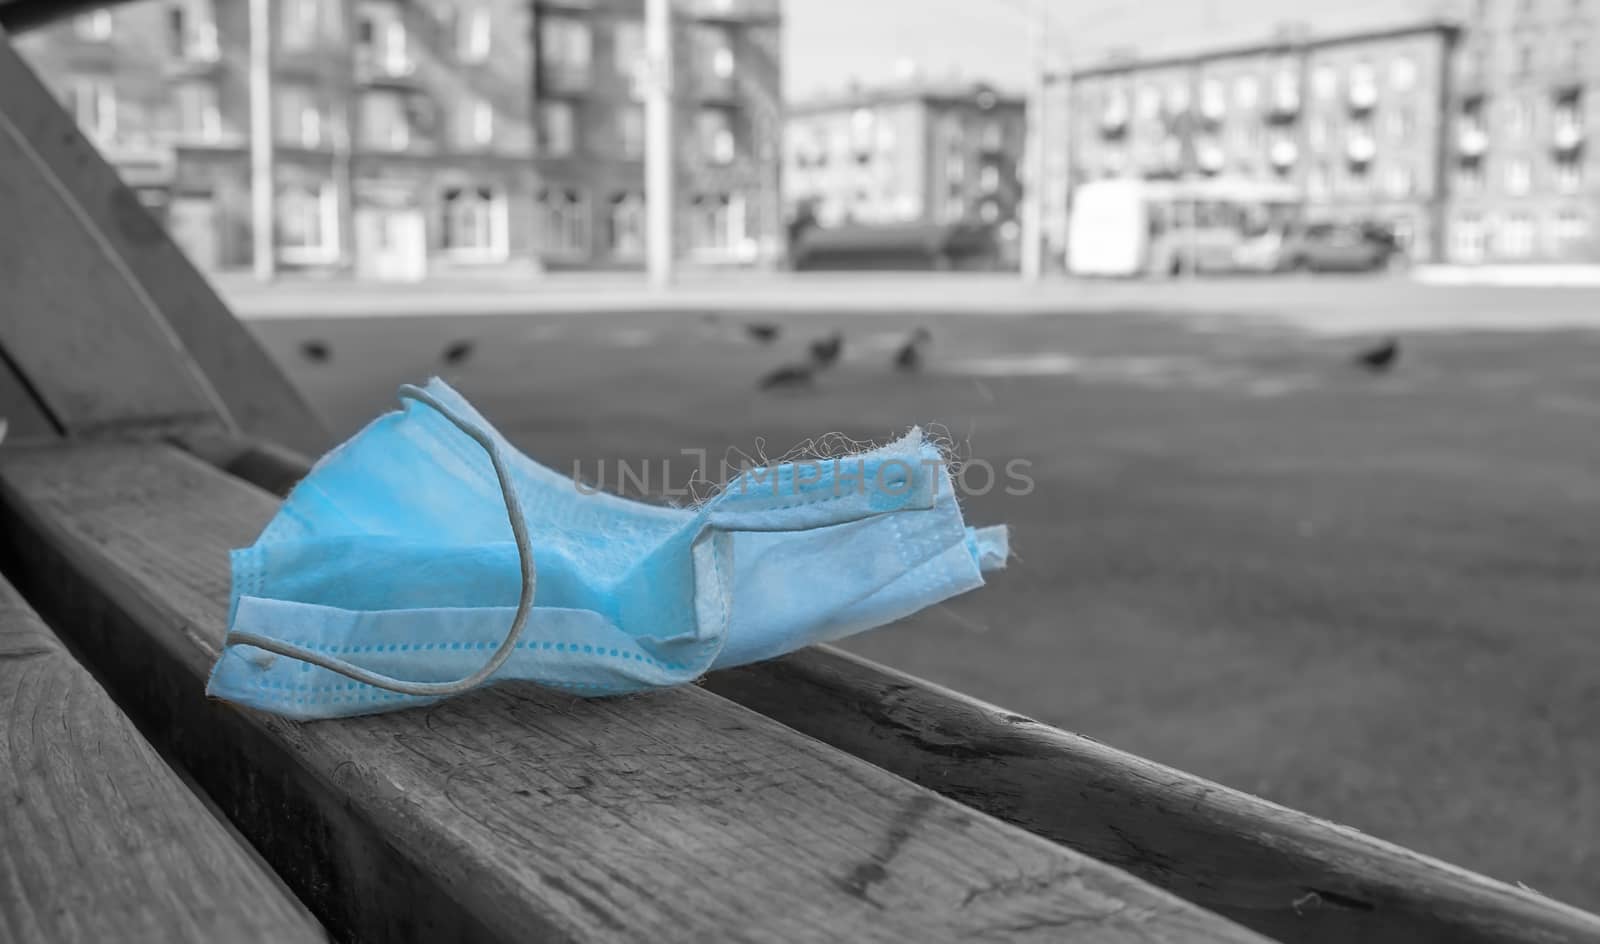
{"x": 1129, "y": 227}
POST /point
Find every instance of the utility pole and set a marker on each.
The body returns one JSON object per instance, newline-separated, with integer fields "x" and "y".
{"x": 658, "y": 150}
{"x": 262, "y": 192}
{"x": 1033, "y": 186}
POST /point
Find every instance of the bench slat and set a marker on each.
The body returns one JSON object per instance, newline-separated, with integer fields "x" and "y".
{"x": 1284, "y": 873}
{"x": 1276, "y": 870}
{"x": 517, "y": 812}
{"x": 99, "y": 840}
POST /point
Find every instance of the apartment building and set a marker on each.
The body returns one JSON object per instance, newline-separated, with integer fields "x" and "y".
{"x": 727, "y": 118}
{"x": 1357, "y": 122}
{"x": 1526, "y": 179}
{"x": 1468, "y": 137}
{"x": 912, "y": 153}
{"x": 432, "y": 137}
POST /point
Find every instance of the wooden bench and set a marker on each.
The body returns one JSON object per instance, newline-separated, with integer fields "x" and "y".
{"x": 101, "y": 840}
{"x": 816, "y": 797}
{"x": 517, "y": 812}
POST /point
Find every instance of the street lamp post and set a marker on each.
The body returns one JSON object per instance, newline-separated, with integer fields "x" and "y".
{"x": 262, "y": 177}
{"x": 658, "y": 187}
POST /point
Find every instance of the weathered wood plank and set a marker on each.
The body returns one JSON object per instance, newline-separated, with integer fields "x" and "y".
{"x": 517, "y": 813}
{"x": 1283, "y": 873}
{"x": 102, "y": 312}
{"x": 1280, "y": 872}
{"x": 99, "y": 840}
{"x": 25, "y": 419}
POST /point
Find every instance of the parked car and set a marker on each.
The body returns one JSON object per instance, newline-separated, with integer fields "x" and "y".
{"x": 1338, "y": 247}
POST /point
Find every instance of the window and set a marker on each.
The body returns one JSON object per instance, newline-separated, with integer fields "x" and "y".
{"x": 381, "y": 41}
{"x": 1569, "y": 174}
{"x": 989, "y": 178}
{"x": 1149, "y": 101}
{"x": 1178, "y": 97}
{"x": 563, "y": 221}
{"x": 474, "y": 123}
{"x": 628, "y": 53}
{"x": 1467, "y": 241}
{"x": 1519, "y": 176}
{"x": 710, "y": 221}
{"x": 1246, "y": 91}
{"x": 199, "y": 118}
{"x": 994, "y": 135}
{"x": 94, "y": 26}
{"x": 1516, "y": 236}
{"x": 1317, "y": 133}
{"x": 299, "y": 117}
{"x": 1399, "y": 181}
{"x": 714, "y": 131}
{"x": 564, "y": 47}
{"x": 1469, "y": 176}
{"x": 298, "y": 24}
{"x": 1399, "y": 122}
{"x": 307, "y": 223}
{"x": 192, "y": 31}
{"x": 1517, "y": 118}
{"x": 473, "y": 223}
{"x": 1571, "y": 229}
{"x": 630, "y": 131}
{"x": 625, "y": 225}
{"x": 94, "y": 104}
{"x": 1325, "y": 82}
{"x": 472, "y": 35}
{"x": 1403, "y": 74}
{"x": 385, "y": 126}
{"x": 712, "y": 53}
{"x": 557, "y": 129}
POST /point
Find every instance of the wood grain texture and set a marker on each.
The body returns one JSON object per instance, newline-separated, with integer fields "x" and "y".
{"x": 25, "y": 419}
{"x": 99, "y": 840}
{"x": 1283, "y": 873}
{"x": 516, "y": 813}
{"x": 102, "y": 312}
{"x": 1280, "y": 872}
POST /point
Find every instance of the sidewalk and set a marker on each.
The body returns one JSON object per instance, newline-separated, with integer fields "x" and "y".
{"x": 1322, "y": 304}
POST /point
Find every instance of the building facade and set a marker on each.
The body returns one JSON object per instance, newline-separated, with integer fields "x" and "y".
{"x": 911, "y": 154}
{"x": 1526, "y": 177}
{"x": 1469, "y": 140}
{"x": 417, "y": 138}
{"x": 1357, "y": 123}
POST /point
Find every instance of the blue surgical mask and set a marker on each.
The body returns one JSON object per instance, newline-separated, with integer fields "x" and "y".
{"x": 426, "y": 556}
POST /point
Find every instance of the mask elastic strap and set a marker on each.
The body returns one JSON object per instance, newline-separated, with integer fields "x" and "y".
{"x": 507, "y": 646}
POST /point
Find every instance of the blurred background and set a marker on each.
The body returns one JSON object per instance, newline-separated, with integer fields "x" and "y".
{"x": 1290, "y": 305}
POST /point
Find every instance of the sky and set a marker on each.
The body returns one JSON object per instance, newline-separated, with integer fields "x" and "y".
{"x": 829, "y": 42}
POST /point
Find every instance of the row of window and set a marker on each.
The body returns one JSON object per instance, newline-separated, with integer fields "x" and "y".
{"x": 869, "y": 136}
{"x": 566, "y": 50}
{"x": 390, "y": 120}
{"x": 1519, "y": 235}
{"x": 473, "y": 222}
{"x": 1519, "y": 176}
{"x": 304, "y": 25}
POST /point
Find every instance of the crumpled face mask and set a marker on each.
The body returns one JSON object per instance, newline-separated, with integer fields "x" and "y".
{"x": 426, "y": 556}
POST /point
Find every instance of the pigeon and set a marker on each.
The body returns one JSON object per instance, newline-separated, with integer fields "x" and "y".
{"x": 762, "y": 331}
{"x": 787, "y": 376}
{"x": 317, "y": 352}
{"x": 1380, "y": 358}
{"x": 458, "y": 352}
{"x": 825, "y": 352}
{"x": 909, "y": 357}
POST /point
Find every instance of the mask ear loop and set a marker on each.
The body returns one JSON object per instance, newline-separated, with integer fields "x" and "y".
{"x": 519, "y": 530}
